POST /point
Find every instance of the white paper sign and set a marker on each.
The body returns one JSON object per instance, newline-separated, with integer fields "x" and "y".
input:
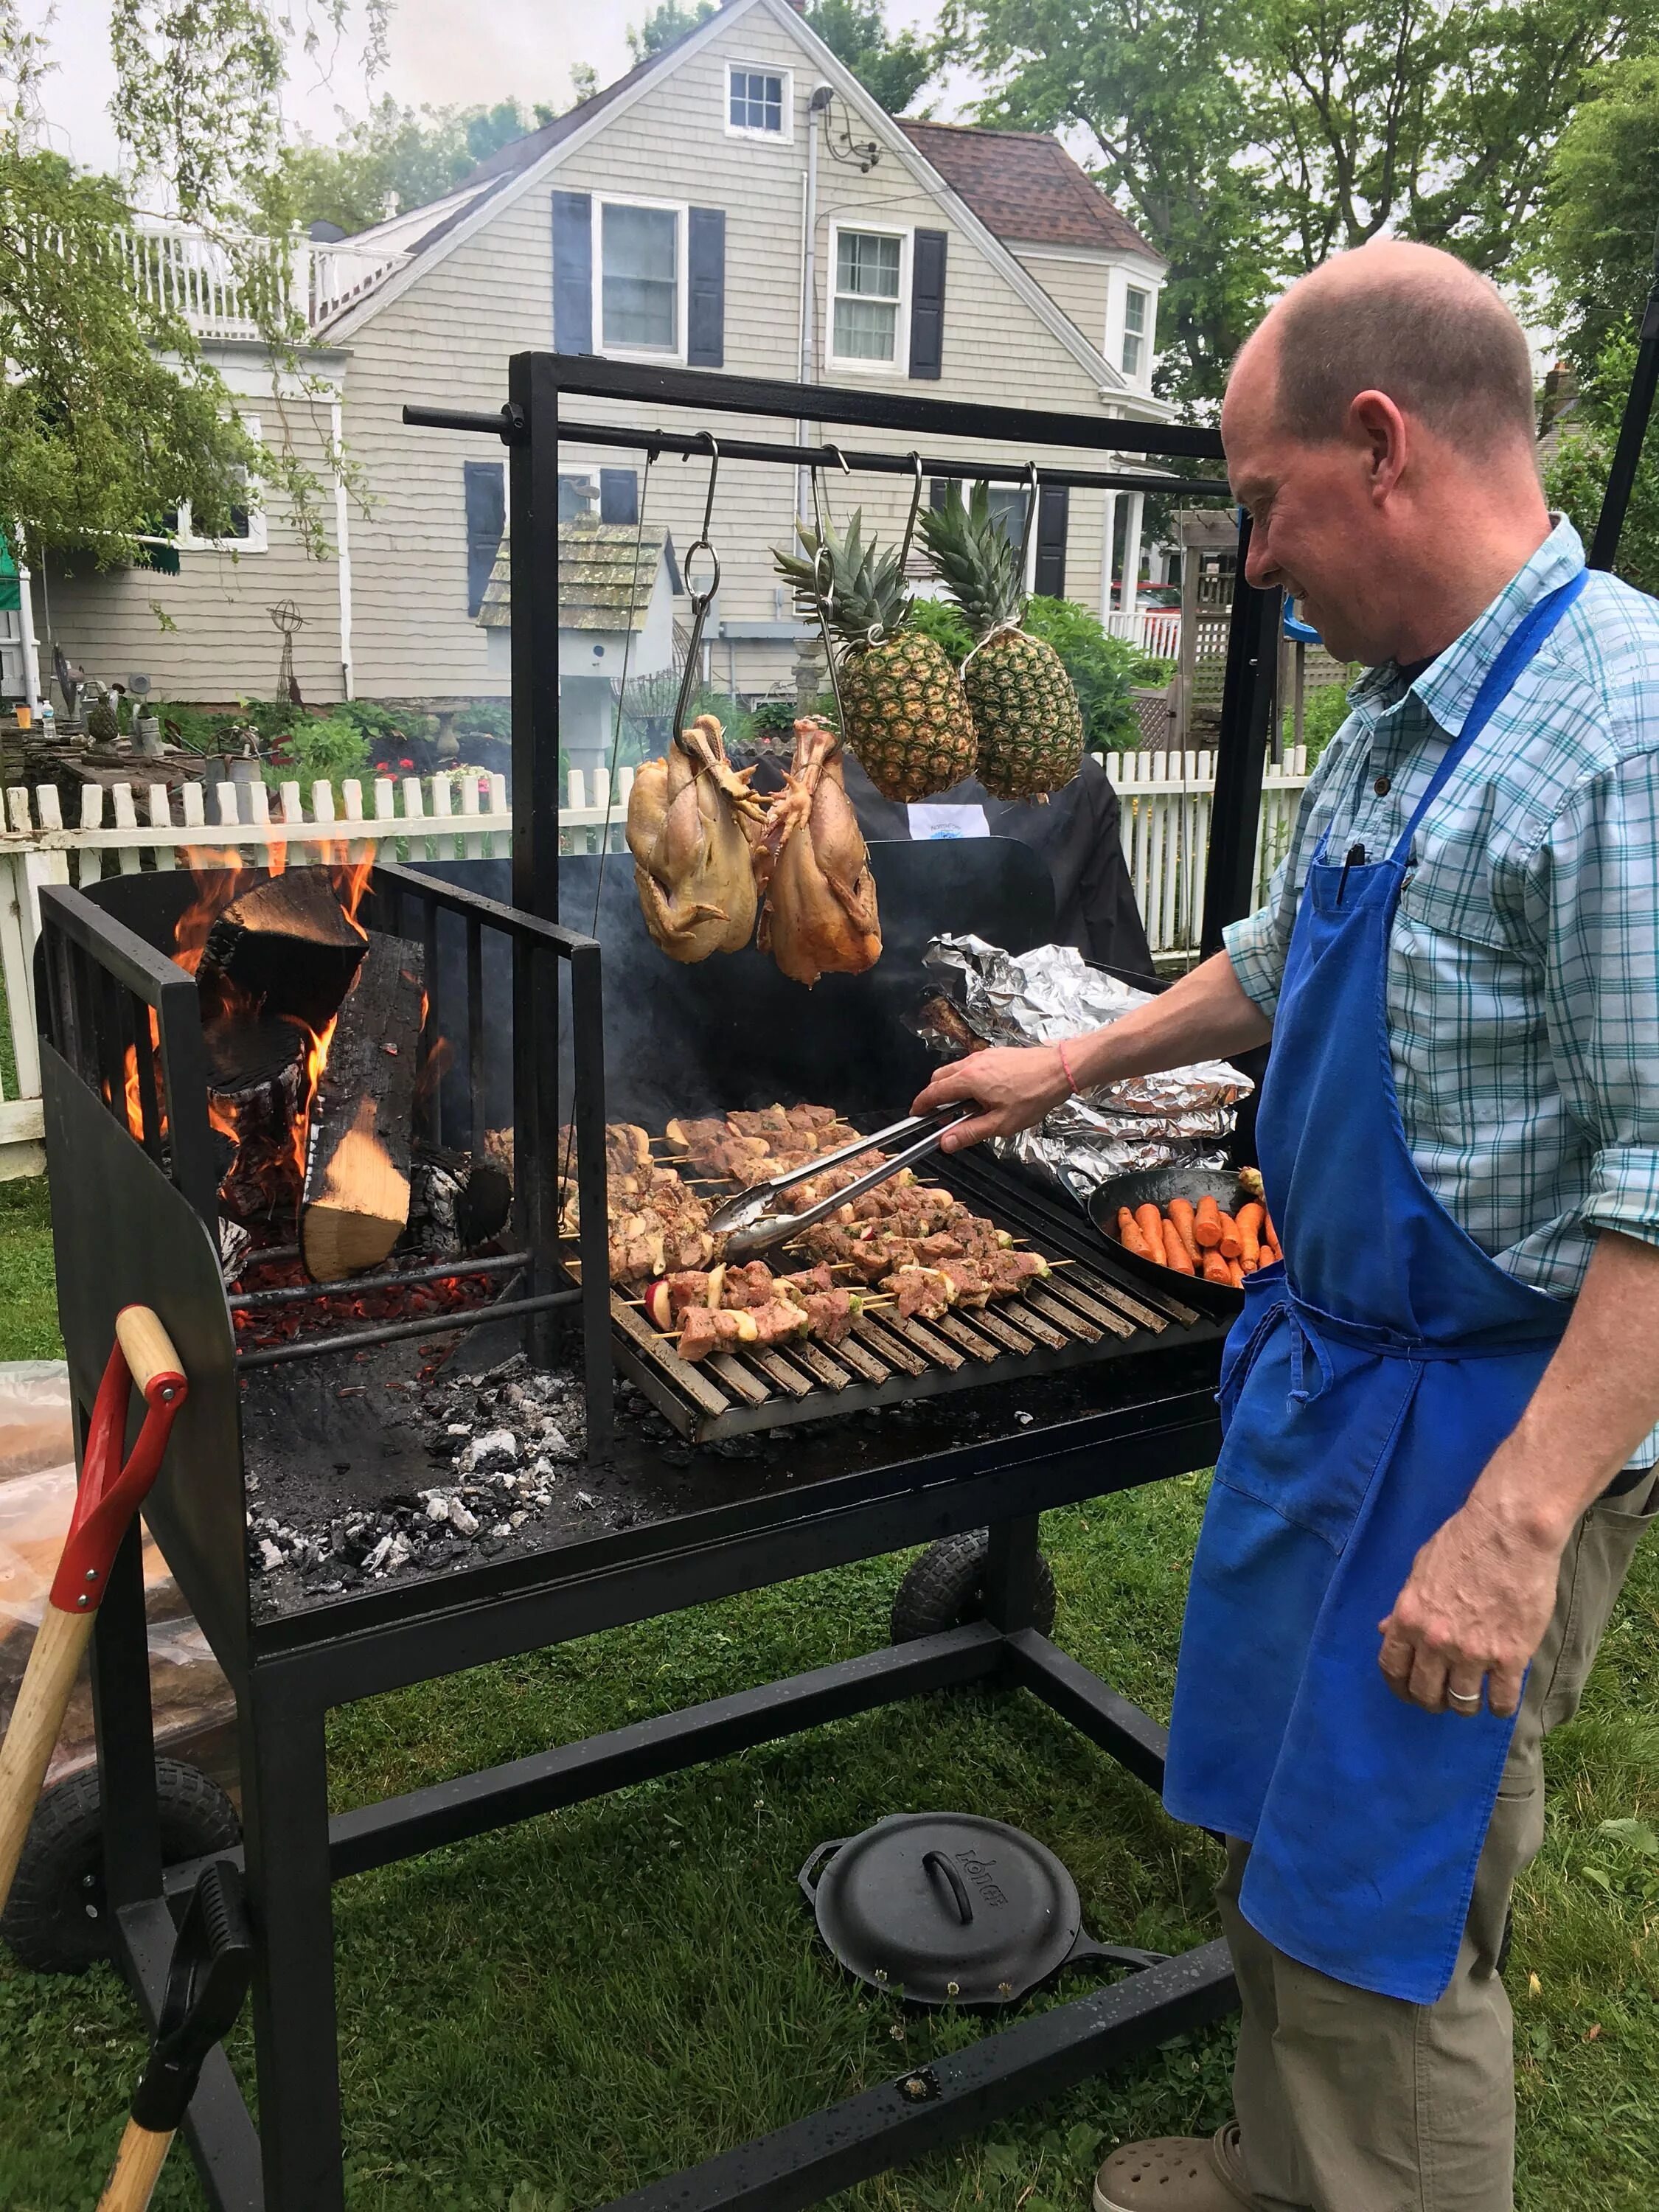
{"x": 927, "y": 821}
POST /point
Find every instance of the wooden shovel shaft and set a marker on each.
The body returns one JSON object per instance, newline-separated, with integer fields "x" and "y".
{"x": 138, "y": 2169}
{"x": 37, "y": 1715}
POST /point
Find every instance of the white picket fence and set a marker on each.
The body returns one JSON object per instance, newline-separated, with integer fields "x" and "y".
{"x": 1166, "y": 800}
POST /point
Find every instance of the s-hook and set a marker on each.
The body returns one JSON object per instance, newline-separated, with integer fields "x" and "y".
{"x": 701, "y": 601}
{"x": 823, "y": 582}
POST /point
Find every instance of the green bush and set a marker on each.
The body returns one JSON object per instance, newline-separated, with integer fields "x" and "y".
{"x": 271, "y": 717}
{"x": 184, "y": 725}
{"x": 945, "y": 624}
{"x": 485, "y": 718}
{"x": 1324, "y": 711}
{"x": 331, "y": 751}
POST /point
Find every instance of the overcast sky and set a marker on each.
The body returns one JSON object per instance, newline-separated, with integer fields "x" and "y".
{"x": 441, "y": 54}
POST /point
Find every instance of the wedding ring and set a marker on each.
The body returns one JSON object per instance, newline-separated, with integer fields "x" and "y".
{"x": 1469, "y": 1699}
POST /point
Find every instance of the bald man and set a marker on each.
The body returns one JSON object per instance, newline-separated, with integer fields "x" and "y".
{"x": 1439, "y": 1412}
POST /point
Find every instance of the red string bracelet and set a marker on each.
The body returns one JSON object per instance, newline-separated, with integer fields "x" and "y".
{"x": 1066, "y": 1066}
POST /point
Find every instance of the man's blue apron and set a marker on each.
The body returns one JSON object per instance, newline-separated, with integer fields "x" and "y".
{"x": 1365, "y": 1387}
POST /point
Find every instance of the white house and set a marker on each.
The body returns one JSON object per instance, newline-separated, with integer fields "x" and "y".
{"x": 736, "y": 202}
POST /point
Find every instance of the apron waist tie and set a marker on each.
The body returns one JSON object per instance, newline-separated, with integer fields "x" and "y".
{"x": 1308, "y": 1326}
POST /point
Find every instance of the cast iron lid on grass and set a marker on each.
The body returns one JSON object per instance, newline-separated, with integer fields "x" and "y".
{"x": 947, "y": 1908}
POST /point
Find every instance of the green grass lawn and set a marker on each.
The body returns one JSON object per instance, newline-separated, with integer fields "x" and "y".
{"x": 546, "y": 2017}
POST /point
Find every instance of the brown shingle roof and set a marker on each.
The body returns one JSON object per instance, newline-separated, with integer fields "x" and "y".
{"x": 1024, "y": 185}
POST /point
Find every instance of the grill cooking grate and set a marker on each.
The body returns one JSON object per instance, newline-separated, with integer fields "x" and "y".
{"x": 1076, "y": 1313}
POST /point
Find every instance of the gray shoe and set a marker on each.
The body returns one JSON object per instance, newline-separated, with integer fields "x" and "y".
{"x": 1175, "y": 2173}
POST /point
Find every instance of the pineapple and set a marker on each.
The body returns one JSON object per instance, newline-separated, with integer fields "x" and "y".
{"x": 1026, "y": 716}
{"x": 906, "y": 713}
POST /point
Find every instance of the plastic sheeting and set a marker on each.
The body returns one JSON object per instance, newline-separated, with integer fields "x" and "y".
{"x": 194, "y": 1707}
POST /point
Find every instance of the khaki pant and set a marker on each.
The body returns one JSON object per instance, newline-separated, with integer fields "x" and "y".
{"x": 1351, "y": 2102}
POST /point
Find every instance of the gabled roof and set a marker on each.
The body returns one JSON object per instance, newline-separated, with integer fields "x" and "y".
{"x": 1024, "y": 185}
{"x": 516, "y": 169}
{"x": 607, "y": 573}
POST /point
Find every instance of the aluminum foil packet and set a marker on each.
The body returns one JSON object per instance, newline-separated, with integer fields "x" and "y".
{"x": 1182, "y": 1116}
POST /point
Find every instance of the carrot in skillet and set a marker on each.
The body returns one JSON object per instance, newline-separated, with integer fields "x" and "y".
{"x": 1206, "y": 1223}
{"x": 1176, "y": 1254}
{"x": 1129, "y": 1235}
{"x": 1150, "y": 1222}
{"x": 1215, "y": 1268}
{"x": 1248, "y": 1218}
{"x": 1232, "y": 1242}
{"x": 1270, "y": 1236}
{"x": 1181, "y": 1213}
{"x": 1236, "y": 1274}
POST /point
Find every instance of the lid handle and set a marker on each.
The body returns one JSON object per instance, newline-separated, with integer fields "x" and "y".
{"x": 936, "y": 1863}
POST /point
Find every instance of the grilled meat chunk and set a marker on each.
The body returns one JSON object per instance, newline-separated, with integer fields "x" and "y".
{"x": 924, "y": 1293}
{"x": 704, "y": 1329}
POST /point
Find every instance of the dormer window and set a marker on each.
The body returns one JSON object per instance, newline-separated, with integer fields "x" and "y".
{"x": 1134, "y": 330}
{"x": 757, "y": 102}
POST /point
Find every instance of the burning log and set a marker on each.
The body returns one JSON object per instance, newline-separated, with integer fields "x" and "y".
{"x": 355, "y": 1204}
{"x": 256, "y": 1090}
{"x": 288, "y": 944}
{"x": 458, "y": 1202}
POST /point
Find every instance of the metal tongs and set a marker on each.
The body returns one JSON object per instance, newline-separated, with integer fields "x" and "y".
{"x": 750, "y": 1227}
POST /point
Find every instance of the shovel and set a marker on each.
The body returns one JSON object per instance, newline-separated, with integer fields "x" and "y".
{"x": 109, "y": 1496}
{"x": 207, "y": 1980}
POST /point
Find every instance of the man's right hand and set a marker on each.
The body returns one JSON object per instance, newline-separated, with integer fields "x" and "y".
{"x": 1014, "y": 1086}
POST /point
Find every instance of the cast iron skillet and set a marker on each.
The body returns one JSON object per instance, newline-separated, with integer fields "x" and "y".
{"x": 1157, "y": 1187}
{"x": 950, "y": 1908}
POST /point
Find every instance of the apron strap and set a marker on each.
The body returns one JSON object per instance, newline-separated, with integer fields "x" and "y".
{"x": 1519, "y": 648}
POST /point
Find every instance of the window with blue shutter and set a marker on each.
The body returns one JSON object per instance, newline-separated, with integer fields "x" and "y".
{"x": 927, "y": 303}
{"x": 572, "y": 272}
{"x": 486, "y": 521}
{"x": 1054, "y": 514}
{"x": 705, "y": 330}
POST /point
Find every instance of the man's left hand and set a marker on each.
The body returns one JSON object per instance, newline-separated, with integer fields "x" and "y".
{"x": 1473, "y": 1610}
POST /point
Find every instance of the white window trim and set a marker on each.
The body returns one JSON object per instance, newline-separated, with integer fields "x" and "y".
{"x": 783, "y": 137}
{"x": 681, "y": 209}
{"x": 856, "y": 365}
{"x": 1123, "y": 281}
{"x": 257, "y": 539}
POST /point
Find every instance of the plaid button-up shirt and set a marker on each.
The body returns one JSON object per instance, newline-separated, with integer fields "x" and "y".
{"x": 1523, "y": 966}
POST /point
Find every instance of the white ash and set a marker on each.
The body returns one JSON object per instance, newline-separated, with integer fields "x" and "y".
{"x": 501, "y": 1445}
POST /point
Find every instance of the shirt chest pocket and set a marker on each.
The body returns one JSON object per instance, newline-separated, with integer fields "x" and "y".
{"x": 1463, "y": 998}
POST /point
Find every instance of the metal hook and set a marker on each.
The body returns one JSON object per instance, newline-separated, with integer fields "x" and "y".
{"x": 701, "y": 601}
{"x": 915, "y": 509}
{"x": 1030, "y": 517}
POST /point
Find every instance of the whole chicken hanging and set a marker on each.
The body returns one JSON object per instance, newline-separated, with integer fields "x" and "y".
{"x": 820, "y": 910}
{"x": 690, "y": 819}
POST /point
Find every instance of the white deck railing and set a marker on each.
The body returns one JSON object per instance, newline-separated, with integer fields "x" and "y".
{"x": 1166, "y": 799}
{"x": 249, "y": 291}
{"x": 1156, "y": 630}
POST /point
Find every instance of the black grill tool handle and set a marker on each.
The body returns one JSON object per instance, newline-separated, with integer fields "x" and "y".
{"x": 207, "y": 1981}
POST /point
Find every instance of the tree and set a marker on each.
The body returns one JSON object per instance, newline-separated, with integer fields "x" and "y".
{"x": 395, "y": 157}
{"x": 668, "y": 22}
{"x": 1156, "y": 91}
{"x": 892, "y": 70}
{"x": 1603, "y": 207}
{"x": 1577, "y": 476}
{"x": 1249, "y": 144}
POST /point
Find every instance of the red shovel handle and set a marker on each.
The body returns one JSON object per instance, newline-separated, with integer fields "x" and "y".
{"x": 109, "y": 1496}
{"x": 110, "y": 1493}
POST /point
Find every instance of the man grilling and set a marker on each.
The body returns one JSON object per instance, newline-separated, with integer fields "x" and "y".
{"x": 1438, "y": 1412}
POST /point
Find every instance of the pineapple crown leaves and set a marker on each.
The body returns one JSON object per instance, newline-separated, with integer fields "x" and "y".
{"x": 978, "y": 561}
{"x": 865, "y": 598}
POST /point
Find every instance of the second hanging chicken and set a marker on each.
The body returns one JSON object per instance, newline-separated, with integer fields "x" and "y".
{"x": 813, "y": 869}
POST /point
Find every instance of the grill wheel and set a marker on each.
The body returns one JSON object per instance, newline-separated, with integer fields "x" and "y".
{"x": 945, "y": 1588}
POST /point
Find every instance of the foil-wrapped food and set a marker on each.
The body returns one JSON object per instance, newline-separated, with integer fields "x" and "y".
{"x": 1182, "y": 1116}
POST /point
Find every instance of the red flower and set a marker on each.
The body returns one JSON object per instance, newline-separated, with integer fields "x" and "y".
{"x": 405, "y": 763}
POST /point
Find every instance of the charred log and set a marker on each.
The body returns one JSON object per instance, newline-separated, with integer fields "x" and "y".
{"x": 355, "y": 1204}
{"x": 458, "y": 1203}
{"x": 288, "y": 944}
{"x": 256, "y": 1090}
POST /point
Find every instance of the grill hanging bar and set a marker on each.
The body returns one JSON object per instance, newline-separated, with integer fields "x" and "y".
{"x": 863, "y": 462}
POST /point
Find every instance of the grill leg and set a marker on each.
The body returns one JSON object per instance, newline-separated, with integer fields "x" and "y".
{"x": 285, "y": 1824}
{"x": 126, "y": 1734}
{"x": 1011, "y": 1574}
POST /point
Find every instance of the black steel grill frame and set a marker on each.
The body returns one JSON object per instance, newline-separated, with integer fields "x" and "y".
{"x": 288, "y": 1674}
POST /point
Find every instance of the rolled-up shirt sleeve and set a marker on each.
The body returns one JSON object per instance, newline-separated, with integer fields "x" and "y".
{"x": 1594, "y": 885}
